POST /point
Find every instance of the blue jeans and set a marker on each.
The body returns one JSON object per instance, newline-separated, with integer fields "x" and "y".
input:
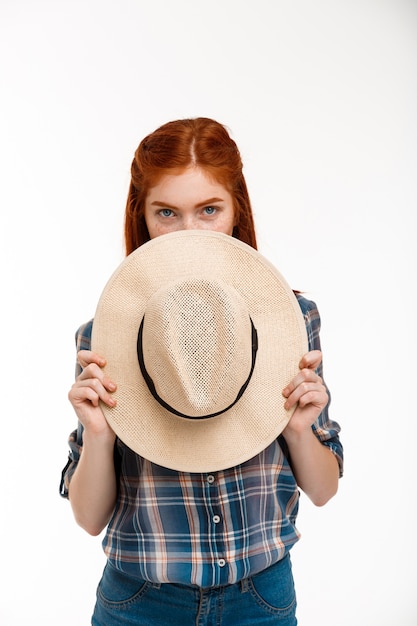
{"x": 261, "y": 600}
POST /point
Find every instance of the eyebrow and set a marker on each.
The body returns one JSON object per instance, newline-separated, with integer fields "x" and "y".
{"x": 197, "y": 206}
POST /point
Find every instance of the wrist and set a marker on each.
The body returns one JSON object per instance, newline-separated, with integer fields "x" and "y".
{"x": 103, "y": 437}
{"x": 297, "y": 433}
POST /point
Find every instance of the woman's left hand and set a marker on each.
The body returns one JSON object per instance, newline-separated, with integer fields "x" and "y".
{"x": 306, "y": 392}
{"x": 314, "y": 465}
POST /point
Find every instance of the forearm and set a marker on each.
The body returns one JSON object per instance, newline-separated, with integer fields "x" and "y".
{"x": 93, "y": 489}
{"x": 315, "y": 467}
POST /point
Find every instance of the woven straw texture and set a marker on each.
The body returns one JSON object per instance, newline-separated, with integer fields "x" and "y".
{"x": 197, "y": 345}
{"x": 245, "y": 284}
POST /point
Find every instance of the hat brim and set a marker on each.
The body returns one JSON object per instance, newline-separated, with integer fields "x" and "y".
{"x": 215, "y": 443}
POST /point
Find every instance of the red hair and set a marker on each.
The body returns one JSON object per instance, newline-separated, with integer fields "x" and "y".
{"x": 199, "y": 142}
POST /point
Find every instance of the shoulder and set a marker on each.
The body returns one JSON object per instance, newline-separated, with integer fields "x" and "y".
{"x": 308, "y": 307}
{"x": 312, "y": 320}
{"x": 83, "y": 336}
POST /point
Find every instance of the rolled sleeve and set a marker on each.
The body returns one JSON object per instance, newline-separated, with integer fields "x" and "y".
{"x": 325, "y": 429}
{"x": 75, "y": 441}
{"x": 75, "y": 446}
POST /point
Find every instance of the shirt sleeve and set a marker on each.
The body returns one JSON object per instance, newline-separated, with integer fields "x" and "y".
{"x": 75, "y": 441}
{"x": 325, "y": 429}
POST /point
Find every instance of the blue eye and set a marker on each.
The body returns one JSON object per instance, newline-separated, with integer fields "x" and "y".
{"x": 166, "y": 212}
{"x": 210, "y": 210}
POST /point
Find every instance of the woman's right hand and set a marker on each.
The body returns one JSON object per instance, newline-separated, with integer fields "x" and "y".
{"x": 89, "y": 388}
{"x": 92, "y": 490}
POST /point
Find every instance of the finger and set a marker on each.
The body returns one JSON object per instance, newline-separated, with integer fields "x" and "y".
{"x": 307, "y": 393}
{"x": 311, "y": 360}
{"x": 93, "y": 371}
{"x": 86, "y": 357}
{"x": 91, "y": 390}
{"x": 317, "y": 398}
{"x": 304, "y": 376}
{"x": 293, "y": 393}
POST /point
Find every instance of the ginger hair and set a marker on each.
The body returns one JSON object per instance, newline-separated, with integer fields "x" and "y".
{"x": 173, "y": 147}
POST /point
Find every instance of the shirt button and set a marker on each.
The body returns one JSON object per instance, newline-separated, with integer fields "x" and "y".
{"x": 221, "y": 562}
{"x": 216, "y": 519}
{"x": 210, "y": 479}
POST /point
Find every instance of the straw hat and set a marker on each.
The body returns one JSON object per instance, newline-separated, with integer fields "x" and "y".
{"x": 201, "y": 334}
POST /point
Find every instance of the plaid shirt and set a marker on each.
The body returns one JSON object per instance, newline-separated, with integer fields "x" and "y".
{"x": 204, "y": 529}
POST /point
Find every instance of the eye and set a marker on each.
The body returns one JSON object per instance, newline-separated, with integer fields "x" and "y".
{"x": 166, "y": 212}
{"x": 210, "y": 210}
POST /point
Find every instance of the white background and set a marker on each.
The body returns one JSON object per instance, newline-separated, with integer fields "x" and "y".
{"x": 321, "y": 99}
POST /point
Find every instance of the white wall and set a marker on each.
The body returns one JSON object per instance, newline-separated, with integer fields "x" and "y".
{"x": 321, "y": 98}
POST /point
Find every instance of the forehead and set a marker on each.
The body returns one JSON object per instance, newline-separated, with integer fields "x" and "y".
{"x": 191, "y": 183}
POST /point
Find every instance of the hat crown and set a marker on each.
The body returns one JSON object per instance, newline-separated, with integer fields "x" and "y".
{"x": 155, "y": 426}
{"x": 197, "y": 345}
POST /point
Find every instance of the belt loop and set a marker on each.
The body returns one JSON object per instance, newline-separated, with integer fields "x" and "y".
{"x": 244, "y": 585}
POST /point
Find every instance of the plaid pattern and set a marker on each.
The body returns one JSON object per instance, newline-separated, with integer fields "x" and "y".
{"x": 204, "y": 529}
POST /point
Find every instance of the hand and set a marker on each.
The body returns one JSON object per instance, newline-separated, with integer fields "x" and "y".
{"x": 91, "y": 386}
{"x": 307, "y": 393}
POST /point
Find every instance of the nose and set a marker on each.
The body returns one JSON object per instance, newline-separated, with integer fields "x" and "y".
{"x": 189, "y": 222}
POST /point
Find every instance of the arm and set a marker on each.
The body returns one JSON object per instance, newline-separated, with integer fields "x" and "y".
{"x": 314, "y": 465}
{"x": 93, "y": 489}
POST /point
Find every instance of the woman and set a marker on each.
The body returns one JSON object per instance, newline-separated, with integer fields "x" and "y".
{"x": 188, "y": 175}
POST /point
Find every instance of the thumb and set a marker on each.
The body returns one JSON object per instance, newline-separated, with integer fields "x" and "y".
{"x": 311, "y": 360}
